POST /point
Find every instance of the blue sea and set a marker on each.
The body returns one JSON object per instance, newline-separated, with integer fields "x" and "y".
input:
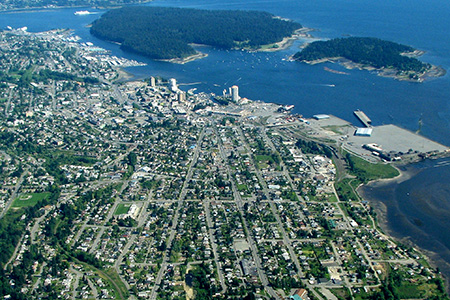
{"x": 269, "y": 77}
{"x": 418, "y": 209}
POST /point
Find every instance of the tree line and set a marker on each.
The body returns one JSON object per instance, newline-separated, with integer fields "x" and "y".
{"x": 164, "y": 33}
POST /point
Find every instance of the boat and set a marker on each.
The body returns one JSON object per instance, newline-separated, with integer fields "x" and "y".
{"x": 82, "y": 13}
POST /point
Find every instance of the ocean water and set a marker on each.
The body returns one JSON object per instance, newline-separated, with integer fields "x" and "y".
{"x": 418, "y": 208}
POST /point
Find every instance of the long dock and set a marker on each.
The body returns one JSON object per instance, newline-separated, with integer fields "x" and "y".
{"x": 363, "y": 118}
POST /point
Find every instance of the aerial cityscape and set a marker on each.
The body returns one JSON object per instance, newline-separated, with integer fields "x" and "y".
{"x": 117, "y": 187}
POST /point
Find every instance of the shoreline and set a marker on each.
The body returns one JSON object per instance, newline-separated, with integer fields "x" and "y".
{"x": 182, "y": 61}
{"x": 43, "y": 8}
{"x": 433, "y": 72}
{"x": 123, "y": 75}
{"x": 382, "y": 207}
{"x": 287, "y": 41}
{"x": 282, "y": 45}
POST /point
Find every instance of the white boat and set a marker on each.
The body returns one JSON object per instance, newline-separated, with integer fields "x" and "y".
{"x": 82, "y": 12}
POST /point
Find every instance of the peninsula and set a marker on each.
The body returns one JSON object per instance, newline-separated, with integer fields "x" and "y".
{"x": 389, "y": 59}
{"x": 167, "y": 33}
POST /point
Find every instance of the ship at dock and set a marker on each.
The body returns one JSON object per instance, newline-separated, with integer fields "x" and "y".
{"x": 285, "y": 108}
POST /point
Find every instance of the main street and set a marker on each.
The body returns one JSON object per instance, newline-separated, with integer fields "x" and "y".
{"x": 173, "y": 229}
{"x": 239, "y": 203}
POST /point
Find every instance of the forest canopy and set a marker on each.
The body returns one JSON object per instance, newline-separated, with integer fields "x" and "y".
{"x": 364, "y": 50}
{"x": 165, "y": 33}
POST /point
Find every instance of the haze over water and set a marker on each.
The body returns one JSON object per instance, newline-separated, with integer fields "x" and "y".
{"x": 269, "y": 77}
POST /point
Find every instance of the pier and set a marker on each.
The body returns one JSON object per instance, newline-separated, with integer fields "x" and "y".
{"x": 363, "y": 118}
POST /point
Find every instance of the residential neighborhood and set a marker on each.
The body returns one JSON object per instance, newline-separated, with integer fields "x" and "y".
{"x": 113, "y": 188}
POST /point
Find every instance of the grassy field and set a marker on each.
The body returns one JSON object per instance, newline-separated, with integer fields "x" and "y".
{"x": 26, "y": 200}
{"x": 369, "y": 171}
{"x": 345, "y": 191}
{"x": 242, "y": 188}
{"x": 111, "y": 275}
{"x": 263, "y": 161}
{"x": 122, "y": 209}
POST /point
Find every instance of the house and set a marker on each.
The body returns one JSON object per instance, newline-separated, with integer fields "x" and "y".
{"x": 299, "y": 294}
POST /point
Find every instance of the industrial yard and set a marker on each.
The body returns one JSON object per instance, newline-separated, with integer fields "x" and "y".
{"x": 391, "y": 139}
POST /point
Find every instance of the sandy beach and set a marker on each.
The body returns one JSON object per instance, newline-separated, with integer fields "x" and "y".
{"x": 181, "y": 61}
{"x": 288, "y": 41}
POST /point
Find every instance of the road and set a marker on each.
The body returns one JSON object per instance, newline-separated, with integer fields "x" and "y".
{"x": 214, "y": 245}
{"x": 287, "y": 242}
{"x": 173, "y": 230}
{"x": 8, "y": 103}
{"x": 239, "y": 203}
{"x": 14, "y": 193}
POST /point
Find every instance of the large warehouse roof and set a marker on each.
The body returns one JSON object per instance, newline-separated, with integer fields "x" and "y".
{"x": 364, "y": 131}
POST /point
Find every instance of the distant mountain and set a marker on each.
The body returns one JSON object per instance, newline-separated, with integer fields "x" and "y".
{"x": 165, "y": 33}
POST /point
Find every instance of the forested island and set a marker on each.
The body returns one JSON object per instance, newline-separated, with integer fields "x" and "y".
{"x": 389, "y": 58}
{"x": 167, "y": 33}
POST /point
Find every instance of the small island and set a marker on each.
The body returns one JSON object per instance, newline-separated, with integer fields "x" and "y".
{"x": 169, "y": 33}
{"x": 389, "y": 59}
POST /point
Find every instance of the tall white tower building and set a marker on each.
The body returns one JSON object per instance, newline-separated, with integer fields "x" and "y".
{"x": 173, "y": 84}
{"x": 235, "y": 93}
{"x": 181, "y": 96}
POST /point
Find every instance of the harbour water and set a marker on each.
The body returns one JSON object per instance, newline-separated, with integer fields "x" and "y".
{"x": 419, "y": 207}
{"x": 312, "y": 89}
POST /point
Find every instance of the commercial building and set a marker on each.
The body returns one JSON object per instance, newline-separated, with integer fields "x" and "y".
{"x": 321, "y": 117}
{"x": 173, "y": 84}
{"x": 235, "y": 93}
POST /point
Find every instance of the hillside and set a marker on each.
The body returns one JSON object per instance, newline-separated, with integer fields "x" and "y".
{"x": 165, "y": 33}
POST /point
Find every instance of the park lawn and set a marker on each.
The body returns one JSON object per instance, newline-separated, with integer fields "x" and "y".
{"x": 242, "y": 188}
{"x": 26, "y": 200}
{"x": 122, "y": 209}
{"x": 264, "y": 161}
{"x": 373, "y": 171}
{"x": 263, "y": 158}
{"x": 332, "y": 198}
